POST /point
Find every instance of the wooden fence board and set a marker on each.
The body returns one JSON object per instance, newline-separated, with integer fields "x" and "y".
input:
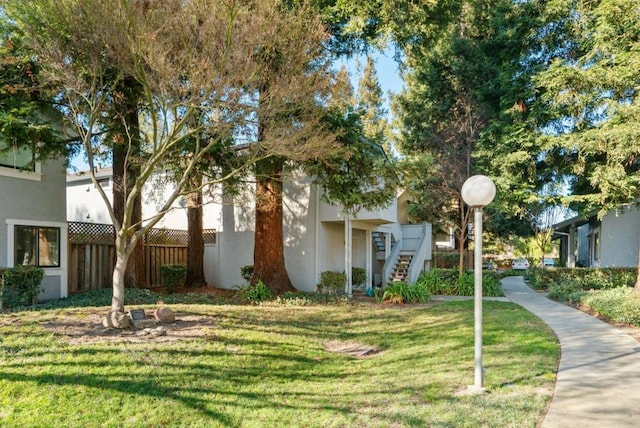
{"x": 92, "y": 254}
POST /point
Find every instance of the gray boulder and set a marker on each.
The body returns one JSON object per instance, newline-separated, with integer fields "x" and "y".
{"x": 165, "y": 315}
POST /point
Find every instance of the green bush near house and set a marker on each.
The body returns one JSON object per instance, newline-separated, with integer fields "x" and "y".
{"x": 255, "y": 293}
{"x": 448, "y": 282}
{"x": 446, "y": 259}
{"x": 331, "y": 281}
{"x": 568, "y": 292}
{"x": 358, "y": 276}
{"x": 586, "y": 278}
{"x": 513, "y": 272}
{"x": 246, "y": 272}
{"x": 20, "y": 286}
{"x": 401, "y": 292}
{"x": 620, "y": 304}
{"x": 173, "y": 276}
{"x": 605, "y": 291}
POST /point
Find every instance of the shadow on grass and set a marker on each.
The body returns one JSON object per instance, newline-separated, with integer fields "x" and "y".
{"x": 219, "y": 376}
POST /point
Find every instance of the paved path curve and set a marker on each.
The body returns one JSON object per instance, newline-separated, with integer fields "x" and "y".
{"x": 598, "y": 383}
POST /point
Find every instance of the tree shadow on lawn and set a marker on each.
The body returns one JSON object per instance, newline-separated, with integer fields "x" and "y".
{"x": 241, "y": 360}
{"x": 123, "y": 380}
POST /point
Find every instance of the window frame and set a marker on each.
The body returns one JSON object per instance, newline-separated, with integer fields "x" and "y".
{"x": 13, "y": 149}
{"x": 34, "y": 173}
{"x": 37, "y": 251}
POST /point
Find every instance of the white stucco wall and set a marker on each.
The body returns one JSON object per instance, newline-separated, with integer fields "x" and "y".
{"x": 85, "y": 204}
{"x": 299, "y": 228}
{"x": 312, "y": 245}
{"x": 235, "y": 246}
{"x": 620, "y": 237}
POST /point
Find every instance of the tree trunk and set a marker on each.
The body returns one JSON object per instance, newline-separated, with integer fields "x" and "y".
{"x": 268, "y": 254}
{"x": 119, "y": 277}
{"x": 126, "y": 146}
{"x": 195, "y": 245}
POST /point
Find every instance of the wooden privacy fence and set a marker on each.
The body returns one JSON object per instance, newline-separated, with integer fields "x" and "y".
{"x": 92, "y": 254}
{"x": 449, "y": 259}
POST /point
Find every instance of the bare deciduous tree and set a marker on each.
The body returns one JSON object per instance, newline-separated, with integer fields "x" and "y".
{"x": 187, "y": 58}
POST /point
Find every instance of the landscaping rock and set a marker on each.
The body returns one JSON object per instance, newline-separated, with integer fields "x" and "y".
{"x": 152, "y": 332}
{"x": 116, "y": 319}
{"x": 141, "y": 324}
{"x": 165, "y": 315}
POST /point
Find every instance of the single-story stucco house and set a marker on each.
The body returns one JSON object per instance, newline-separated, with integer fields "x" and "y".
{"x": 612, "y": 241}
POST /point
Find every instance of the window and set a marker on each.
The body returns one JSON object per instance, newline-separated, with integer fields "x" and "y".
{"x": 596, "y": 246}
{"x": 37, "y": 246}
{"x": 15, "y": 157}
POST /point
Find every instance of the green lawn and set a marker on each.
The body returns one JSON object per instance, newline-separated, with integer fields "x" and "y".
{"x": 267, "y": 367}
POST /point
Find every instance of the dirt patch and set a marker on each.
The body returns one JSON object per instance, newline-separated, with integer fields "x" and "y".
{"x": 213, "y": 291}
{"x": 357, "y": 350}
{"x": 88, "y": 329}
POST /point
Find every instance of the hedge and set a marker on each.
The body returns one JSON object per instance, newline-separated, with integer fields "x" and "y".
{"x": 449, "y": 282}
{"x": 20, "y": 286}
{"x": 586, "y": 278}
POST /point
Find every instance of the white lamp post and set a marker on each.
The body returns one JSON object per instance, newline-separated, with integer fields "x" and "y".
{"x": 477, "y": 192}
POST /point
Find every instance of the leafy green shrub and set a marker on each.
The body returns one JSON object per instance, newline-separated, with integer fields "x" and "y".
{"x": 301, "y": 298}
{"x": 446, "y": 259}
{"x": 511, "y": 272}
{"x": 331, "y": 281}
{"x": 246, "y": 272}
{"x": 465, "y": 285}
{"x": 439, "y": 281}
{"x": 586, "y": 278}
{"x": 448, "y": 282}
{"x": 567, "y": 291}
{"x": 491, "y": 285}
{"x": 256, "y": 293}
{"x": 173, "y": 276}
{"x": 358, "y": 276}
{"x": 401, "y": 292}
{"x": 620, "y": 304}
{"x": 20, "y": 285}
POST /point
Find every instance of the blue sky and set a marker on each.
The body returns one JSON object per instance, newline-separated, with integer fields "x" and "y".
{"x": 386, "y": 67}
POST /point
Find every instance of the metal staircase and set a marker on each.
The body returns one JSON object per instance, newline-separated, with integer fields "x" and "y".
{"x": 379, "y": 240}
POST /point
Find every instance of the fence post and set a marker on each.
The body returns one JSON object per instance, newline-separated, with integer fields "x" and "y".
{"x": 147, "y": 259}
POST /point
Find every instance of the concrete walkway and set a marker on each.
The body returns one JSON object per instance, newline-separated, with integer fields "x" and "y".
{"x": 598, "y": 382}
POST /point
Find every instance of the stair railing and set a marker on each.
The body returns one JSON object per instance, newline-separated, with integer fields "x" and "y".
{"x": 417, "y": 262}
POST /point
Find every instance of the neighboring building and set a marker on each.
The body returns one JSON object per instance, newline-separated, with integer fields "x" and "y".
{"x": 318, "y": 236}
{"x": 33, "y": 227}
{"x": 610, "y": 242}
{"x": 85, "y": 204}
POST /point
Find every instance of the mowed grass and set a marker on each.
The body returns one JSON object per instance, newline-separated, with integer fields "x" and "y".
{"x": 268, "y": 367}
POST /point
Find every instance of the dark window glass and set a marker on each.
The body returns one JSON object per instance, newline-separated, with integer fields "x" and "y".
{"x": 37, "y": 246}
{"x": 17, "y": 158}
